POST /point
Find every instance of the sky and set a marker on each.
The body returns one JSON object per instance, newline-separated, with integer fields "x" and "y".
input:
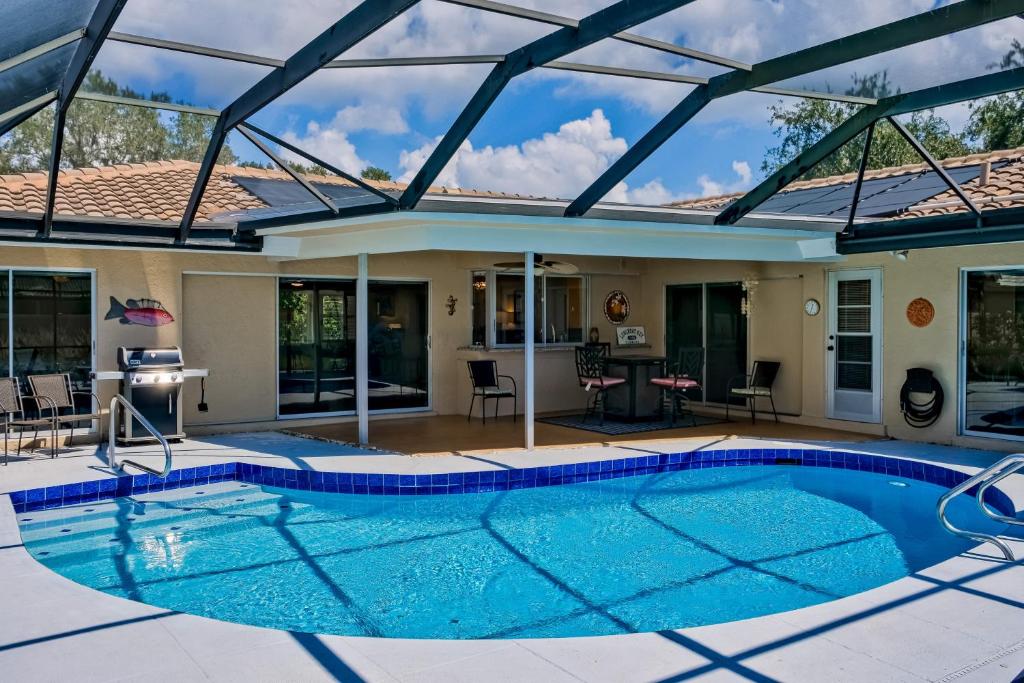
{"x": 550, "y": 133}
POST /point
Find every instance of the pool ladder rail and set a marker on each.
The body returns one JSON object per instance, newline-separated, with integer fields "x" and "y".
{"x": 112, "y": 438}
{"x": 983, "y": 480}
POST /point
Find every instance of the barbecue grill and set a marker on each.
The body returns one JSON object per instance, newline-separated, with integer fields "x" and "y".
{"x": 151, "y": 380}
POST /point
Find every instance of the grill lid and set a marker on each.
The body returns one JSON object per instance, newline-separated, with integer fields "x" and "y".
{"x": 146, "y": 358}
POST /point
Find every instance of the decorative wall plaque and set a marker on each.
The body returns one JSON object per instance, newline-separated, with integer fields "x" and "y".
{"x": 616, "y": 307}
{"x": 920, "y": 312}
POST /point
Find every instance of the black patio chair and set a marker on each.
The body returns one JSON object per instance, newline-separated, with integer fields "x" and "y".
{"x": 485, "y": 379}
{"x": 590, "y": 371}
{"x": 684, "y": 375}
{"x": 758, "y": 384}
{"x": 57, "y": 389}
{"x": 12, "y": 408}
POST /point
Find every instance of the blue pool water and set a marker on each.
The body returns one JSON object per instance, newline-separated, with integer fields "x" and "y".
{"x": 645, "y": 553}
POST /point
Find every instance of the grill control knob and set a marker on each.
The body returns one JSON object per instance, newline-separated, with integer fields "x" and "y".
{"x": 174, "y": 377}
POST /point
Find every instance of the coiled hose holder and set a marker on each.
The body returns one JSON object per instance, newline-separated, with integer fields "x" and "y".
{"x": 921, "y": 414}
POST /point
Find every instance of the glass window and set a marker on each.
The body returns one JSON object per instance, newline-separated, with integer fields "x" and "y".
{"x": 52, "y": 316}
{"x": 994, "y": 370}
{"x": 559, "y": 309}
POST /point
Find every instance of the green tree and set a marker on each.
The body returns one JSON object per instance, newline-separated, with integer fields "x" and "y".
{"x": 103, "y": 133}
{"x": 998, "y": 122}
{"x": 801, "y": 125}
{"x": 375, "y": 173}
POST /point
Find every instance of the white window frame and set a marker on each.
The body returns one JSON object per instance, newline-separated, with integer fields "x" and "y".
{"x": 491, "y": 319}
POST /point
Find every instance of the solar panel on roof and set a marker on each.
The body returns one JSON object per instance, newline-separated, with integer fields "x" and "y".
{"x": 879, "y": 196}
{"x": 278, "y": 192}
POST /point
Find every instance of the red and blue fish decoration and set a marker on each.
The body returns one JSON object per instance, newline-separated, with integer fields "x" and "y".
{"x": 147, "y": 312}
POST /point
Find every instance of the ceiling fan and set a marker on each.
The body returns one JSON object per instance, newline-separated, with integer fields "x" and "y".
{"x": 556, "y": 267}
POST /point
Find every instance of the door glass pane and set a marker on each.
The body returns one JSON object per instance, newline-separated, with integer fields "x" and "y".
{"x": 53, "y": 325}
{"x": 398, "y": 345}
{"x": 684, "y": 327}
{"x": 726, "y": 339}
{"x": 316, "y": 364}
{"x": 854, "y": 341}
{"x": 564, "y": 310}
{"x": 994, "y": 370}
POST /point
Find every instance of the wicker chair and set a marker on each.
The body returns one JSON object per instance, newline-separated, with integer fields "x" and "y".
{"x": 57, "y": 388}
{"x": 683, "y": 376}
{"x": 11, "y": 405}
{"x": 590, "y": 371}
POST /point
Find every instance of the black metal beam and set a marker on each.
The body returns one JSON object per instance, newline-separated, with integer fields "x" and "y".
{"x": 940, "y": 95}
{"x": 361, "y": 22}
{"x": 591, "y": 29}
{"x": 100, "y": 24}
{"x": 921, "y": 27}
{"x": 925, "y": 232}
{"x": 901, "y": 33}
{"x": 283, "y": 165}
{"x": 15, "y": 117}
{"x": 930, "y": 160}
{"x": 320, "y": 162}
{"x": 632, "y": 38}
{"x": 251, "y": 225}
{"x": 644, "y": 147}
{"x": 860, "y": 176}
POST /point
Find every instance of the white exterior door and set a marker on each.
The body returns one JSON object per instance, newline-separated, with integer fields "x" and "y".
{"x": 854, "y": 345}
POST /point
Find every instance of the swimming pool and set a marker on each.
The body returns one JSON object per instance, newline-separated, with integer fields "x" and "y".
{"x": 641, "y": 553}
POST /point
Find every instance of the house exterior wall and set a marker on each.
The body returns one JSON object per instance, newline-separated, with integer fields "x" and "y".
{"x": 224, "y": 308}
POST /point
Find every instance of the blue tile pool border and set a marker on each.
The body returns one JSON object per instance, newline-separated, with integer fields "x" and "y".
{"x": 387, "y": 484}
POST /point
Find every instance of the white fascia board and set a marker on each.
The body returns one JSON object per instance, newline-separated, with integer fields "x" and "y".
{"x": 646, "y": 241}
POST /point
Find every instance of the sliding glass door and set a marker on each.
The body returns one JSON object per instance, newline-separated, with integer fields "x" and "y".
{"x": 708, "y": 316}
{"x": 992, "y": 359}
{"x": 317, "y": 346}
{"x": 398, "y": 345}
{"x": 46, "y": 325}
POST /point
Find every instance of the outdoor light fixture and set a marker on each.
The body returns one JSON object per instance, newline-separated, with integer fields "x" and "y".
{"x": 901, "y": 255}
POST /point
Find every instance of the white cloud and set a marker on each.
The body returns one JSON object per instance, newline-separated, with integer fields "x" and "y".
{"x": 557, "y": 164}
{"x": 330, "y": 144}
{"x": 375, "y": 117}
{"x": 742, "y": 181}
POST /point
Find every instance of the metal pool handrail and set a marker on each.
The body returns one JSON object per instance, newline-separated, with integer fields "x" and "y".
{"x": 111, "y": 439}
{"x": 984, "y": 479}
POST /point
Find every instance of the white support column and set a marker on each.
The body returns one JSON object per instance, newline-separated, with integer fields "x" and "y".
{"x": 529, "y": 328}
{"x": 362, "y": 350}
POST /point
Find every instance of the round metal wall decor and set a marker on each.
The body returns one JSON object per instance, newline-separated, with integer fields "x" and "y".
{"x": 616, "y": 307}
{"x": 920, "y": 312}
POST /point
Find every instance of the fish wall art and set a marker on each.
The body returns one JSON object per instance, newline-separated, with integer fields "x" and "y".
{"x": 145, "y": 312}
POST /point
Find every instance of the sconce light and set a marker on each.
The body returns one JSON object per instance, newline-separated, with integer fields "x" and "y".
{"x": 901, "y": 255}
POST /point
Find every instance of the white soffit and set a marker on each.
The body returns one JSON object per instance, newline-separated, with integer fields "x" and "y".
{"x": 423, "y": 231}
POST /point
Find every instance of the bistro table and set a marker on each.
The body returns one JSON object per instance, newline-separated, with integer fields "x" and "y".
{"x": 639, "y": 400}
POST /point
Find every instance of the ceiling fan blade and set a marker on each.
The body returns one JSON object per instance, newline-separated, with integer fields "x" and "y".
{"x": 509, "y": 265}
{"x": 560, "y": 267}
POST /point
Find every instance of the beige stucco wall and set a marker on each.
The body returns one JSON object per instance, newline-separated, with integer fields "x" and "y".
{"x": 224, "y": 319}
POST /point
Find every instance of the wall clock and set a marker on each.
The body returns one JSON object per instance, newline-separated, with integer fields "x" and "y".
{"x": 812, "y": 307}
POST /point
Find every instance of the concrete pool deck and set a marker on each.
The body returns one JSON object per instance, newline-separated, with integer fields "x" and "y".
{"x": 960, "y": 620}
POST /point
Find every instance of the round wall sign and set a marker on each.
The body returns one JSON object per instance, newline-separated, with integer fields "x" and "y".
{"x": 920, "y": 312}
{"x": 616, "y": 307}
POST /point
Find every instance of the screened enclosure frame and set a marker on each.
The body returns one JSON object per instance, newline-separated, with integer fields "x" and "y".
{"x": 570, "y": 35}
